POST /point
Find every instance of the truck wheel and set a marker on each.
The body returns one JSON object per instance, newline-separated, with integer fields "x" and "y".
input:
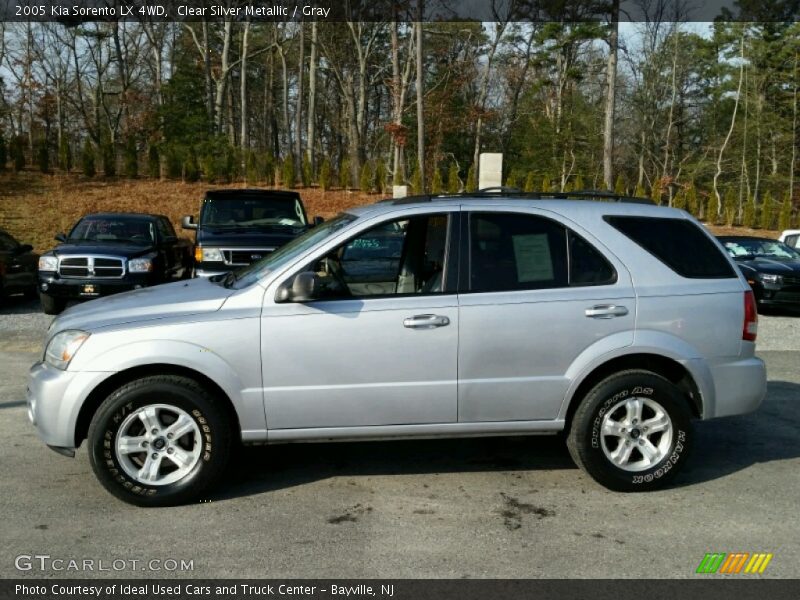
{"x": 159, "y": 441}
{"x": 51, "y": 305}
{"x": 632, "y": 432}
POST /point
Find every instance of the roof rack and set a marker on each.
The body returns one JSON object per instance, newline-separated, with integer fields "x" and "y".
{"x": 502, "y": 191}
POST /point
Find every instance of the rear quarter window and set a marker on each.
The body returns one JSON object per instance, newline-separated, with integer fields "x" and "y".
{"x": 678, "y": 243}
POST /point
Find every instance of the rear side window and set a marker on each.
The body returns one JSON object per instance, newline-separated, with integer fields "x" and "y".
{"x": 678, "y": 243}
{"x": 525, "y": 252}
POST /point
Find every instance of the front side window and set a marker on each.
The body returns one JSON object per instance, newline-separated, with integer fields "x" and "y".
{"x": 525, "y": 252}
{"x": 405, "y": 256}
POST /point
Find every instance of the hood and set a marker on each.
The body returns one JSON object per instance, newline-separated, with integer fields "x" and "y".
{"x": 121, "y": 249}
{"x": 262, "y": 238}
{"x": 182, "y": 298}
{"x": 772, "y": 266}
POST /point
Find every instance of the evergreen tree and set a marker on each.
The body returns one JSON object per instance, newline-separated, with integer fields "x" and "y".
{"x": 3, "y": 153}
{"x": 766, "y": 211}
{"x": 691, "y": 201}
{"x": 546, "y": 184}
{"x": 729, "y": 206}
{"x": 87, "y": 159}
{"x": 153, "y": 162}
{"x": 18, "y": 153}
{"x": 308, "y": 172}
{"x": 380, "y": 176}
{"x": 640, "y": 191}
{"x": 712, "y": 210}
{"x": 679, "y": 201}
{"x": 344, "y": 174}
{"x": 619, "y": 185}
{"x": 325, "y": 175}
{"x": 785, "y": 217}
{"x": 131, "y": 158}
{"x": 174, "y": 164}
{"x": 268, "y": 168}
{"x": 437, "y": 185}
{"x": 252, "y": 173}
{"x": 65, "y": 154}
{"x": 191, "y": 169}
{"x": 530, "y": 182}
{"x": 512, "y": 181}
{"x": 472, "y": 180}
{"x": 416, "y": 181}
{"x": 43, "y": 157}
{"x": 365, "y": 178}
{"x": 453, "y": 182}
{"x": 655, "y": 193}
{"x": 749, "y": 213}
{"x": 287, "y": 174}
{"x": 579, "y": 184}
{"x": 109, "y": 158}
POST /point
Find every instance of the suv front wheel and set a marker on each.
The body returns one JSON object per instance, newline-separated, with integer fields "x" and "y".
{"x": 159, "y": 441}
{"x": 632, "y": 432}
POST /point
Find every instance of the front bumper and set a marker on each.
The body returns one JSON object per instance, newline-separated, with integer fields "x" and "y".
{"x": 54, "y": 399}
{"x": 86, "y": 289}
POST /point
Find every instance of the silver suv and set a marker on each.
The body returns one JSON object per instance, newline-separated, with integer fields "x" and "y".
{"x": 617, "y": 322}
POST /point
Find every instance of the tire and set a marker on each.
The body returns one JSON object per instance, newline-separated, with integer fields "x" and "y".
{"x": 168, "y": 470}
{"x": 51, "y": 305}
{"x": 31, "y": 293}
{"x": 630, "y": 458}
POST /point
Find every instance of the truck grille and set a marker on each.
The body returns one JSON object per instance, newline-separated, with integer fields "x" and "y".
{"x": 99, "y": 267}
{"x": 791, "y": 280}
{"x": 239, "y": 257}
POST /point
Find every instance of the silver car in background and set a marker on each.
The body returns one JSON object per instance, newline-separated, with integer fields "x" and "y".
{"x": 484, "y": 314}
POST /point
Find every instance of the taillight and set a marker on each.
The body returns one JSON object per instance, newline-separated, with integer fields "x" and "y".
{"x": 750, "y": 327}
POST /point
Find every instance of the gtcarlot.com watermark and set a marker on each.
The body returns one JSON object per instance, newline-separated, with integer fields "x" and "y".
{"x": 47, "y": 563}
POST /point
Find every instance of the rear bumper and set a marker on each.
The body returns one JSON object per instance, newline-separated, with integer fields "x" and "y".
{"x": 739, "y": 387}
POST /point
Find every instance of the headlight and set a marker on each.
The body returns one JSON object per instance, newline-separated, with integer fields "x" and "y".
{"x": 48, "y": 263}
{"x": 208, "y": 254}
{"x": 140, "y": 265}
{"x": 63, "y": 347}
{"x": 769, "y": 278}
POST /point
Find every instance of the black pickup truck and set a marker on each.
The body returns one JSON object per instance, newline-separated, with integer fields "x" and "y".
{"x": 240, "y": 226}
{"x": 106, "y": 253}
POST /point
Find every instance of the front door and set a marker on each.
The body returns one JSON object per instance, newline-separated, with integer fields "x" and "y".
{"x": 379, "y": 346}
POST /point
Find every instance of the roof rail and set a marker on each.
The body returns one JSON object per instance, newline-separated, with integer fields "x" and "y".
{"x": 502, "y": 191}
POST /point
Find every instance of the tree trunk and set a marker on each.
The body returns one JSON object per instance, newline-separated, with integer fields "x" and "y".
{"x": 730, "y": 129}
{"x": 611, "y": 94}
{"x": 420, "y": 95}
{"x": 298, "y": 112}
{"x": 243, "y": 135}
{"x": 483, "y": 94}
{"x": 312, "y": 97}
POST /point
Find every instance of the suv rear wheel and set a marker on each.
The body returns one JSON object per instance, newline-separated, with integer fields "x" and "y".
{"x": 632, "y": 432}
{"x": 159, "y": 441}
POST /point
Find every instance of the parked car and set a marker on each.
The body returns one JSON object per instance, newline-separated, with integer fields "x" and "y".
{"x": 238, "y": 227}
{"x": 17, "y": 267}
{"x": 771, "y": 267}
{"x": 791, "y": 237}
{"x": 106, "y": 253}
{"x": 485, "y": 314}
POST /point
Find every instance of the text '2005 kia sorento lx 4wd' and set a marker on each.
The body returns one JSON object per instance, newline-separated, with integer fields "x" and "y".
{"x": 487, "y": 314}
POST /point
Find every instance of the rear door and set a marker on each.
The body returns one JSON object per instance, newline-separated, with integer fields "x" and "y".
{"x": 533, "y": 295}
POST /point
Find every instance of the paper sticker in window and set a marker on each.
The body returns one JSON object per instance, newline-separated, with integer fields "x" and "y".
{"x": 532, "y": 254}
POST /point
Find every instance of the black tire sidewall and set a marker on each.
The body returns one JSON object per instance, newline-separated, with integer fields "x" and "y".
{"x": 604, "y": 397}
{"x": 112, "y": 413}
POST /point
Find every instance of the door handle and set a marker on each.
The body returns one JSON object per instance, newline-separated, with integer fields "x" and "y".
{"x": 425, "y": 321}
{"x": 606, "y": 311}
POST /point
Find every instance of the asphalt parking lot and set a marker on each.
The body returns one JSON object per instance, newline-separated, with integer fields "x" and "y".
{"x": 487, "y": 507}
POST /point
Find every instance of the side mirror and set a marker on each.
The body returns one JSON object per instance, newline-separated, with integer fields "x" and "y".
{"x": 24, "y": 248}
{"x": 303, "y": 288}
{"x": 187, "y": 222}
{"x": 318, "y": 221}
{"x": 61, "y": 237}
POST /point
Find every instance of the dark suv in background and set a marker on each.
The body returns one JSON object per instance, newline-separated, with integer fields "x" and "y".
{"x": 17, "y": 267}
{"x": 240, "y": 226}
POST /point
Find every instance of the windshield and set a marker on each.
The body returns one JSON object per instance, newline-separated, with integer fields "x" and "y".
{"x": 760, "y": 248}
{"x": 286, "y": 254}
{"x": 252, "y": 213}
{"x": 113, "y": 229}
